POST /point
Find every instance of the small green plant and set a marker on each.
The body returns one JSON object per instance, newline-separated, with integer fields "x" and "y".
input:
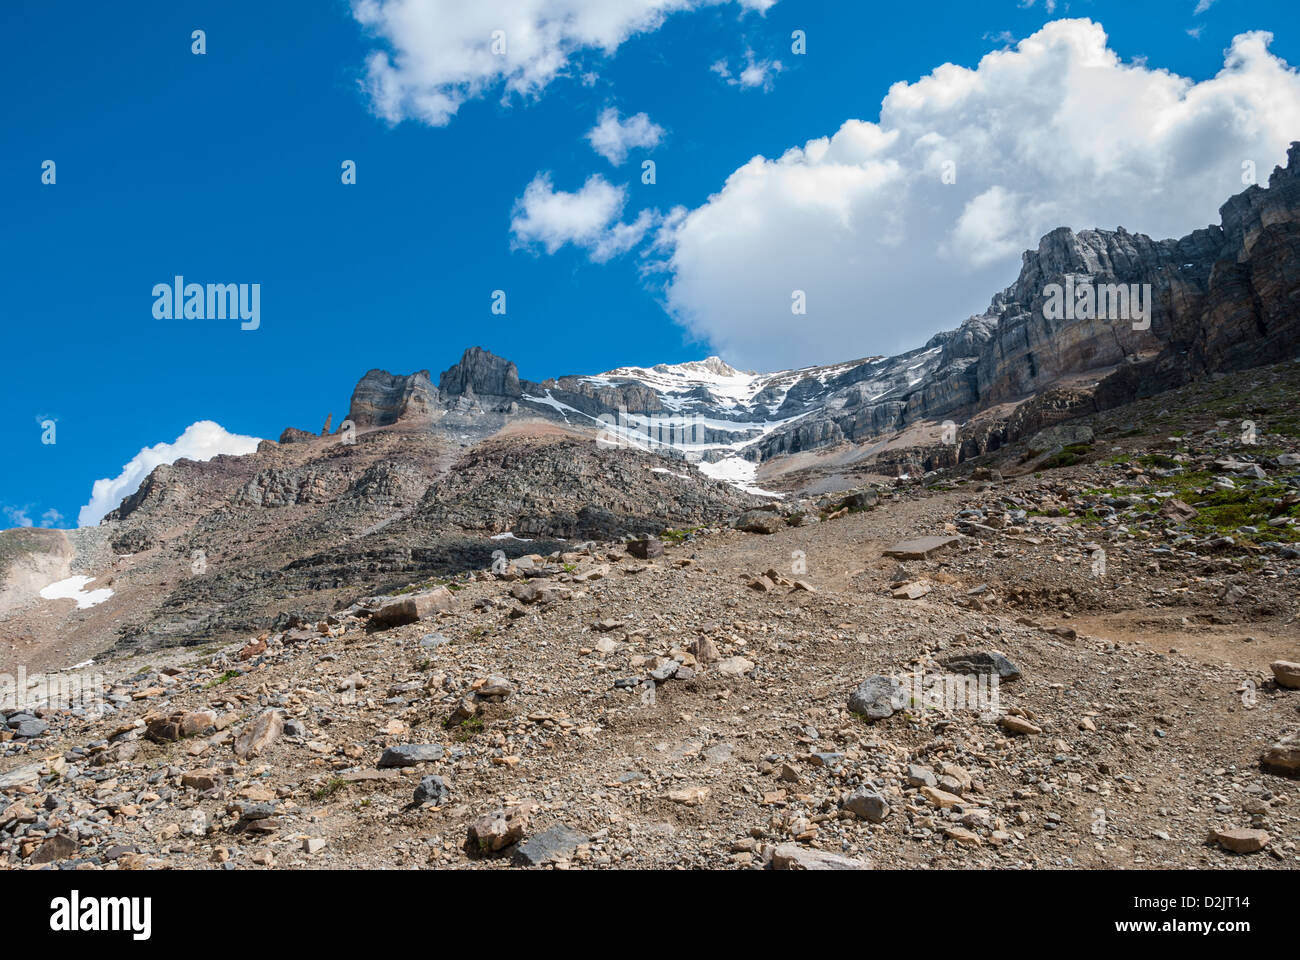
{"x": 218, "y": 681}
{"x": 466, "y": 728}
{"x": 328, "y": 789}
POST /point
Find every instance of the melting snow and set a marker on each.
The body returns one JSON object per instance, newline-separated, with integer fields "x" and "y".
{"x": 738, "y": 472}
{"x": 73, "y": 588}
{"x": 508, "y": 535}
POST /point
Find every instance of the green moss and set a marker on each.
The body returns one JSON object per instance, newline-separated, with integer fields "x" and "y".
{"x": 1068, "y": 456}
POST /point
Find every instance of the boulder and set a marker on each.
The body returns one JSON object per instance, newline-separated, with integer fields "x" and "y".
{"x": 877, "y": 698}
{"x": 981, "y": 664}
{"x": 759, "y": 521}
{"x": 412, "y": 608}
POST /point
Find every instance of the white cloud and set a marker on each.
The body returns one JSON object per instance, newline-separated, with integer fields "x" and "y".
{"x": 1056, "y": 131}
{"x": 17, "y": 516}
{"x": 590, "y": 218}
{"x": 755, "y": 73}
{"x": 200, "y": 441}
{"x": 21, "y": 516}
{"x": 439, "y": 53}
{"x": 1202, "y": 6}
{"x": 613, "y": 138}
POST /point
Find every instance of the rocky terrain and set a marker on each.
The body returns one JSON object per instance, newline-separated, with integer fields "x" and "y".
{"x": 799, "y": 685}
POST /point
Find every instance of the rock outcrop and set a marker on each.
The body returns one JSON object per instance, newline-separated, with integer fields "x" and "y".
{"x": 382, "y": 399}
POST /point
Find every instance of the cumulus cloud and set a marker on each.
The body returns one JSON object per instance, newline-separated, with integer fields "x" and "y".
{"x": 200, "y": 441}
{"x": 1055, "y": 131}
{"x": 589, "y": 218}
{"x": 437, "y": 54}
{"x": 613, "y": 138}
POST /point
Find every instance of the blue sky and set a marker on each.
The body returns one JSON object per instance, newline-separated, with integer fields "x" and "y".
{"x": 225, "y": 167}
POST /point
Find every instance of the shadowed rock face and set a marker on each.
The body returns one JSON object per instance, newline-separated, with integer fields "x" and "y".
{"x": 482, "y": 375}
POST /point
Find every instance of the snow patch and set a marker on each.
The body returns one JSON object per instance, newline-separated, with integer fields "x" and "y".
{"x": 73, "y": 588}
{"x": 738, "y": 472}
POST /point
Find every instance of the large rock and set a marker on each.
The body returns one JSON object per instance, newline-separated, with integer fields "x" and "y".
{"x": 180, "y": 725}
{"x": 1286, "y": 673}
{"x": 20, "y": 776}
{"x": 877, "y": 697}
{"x": 411, "y": 754}
{"x": 1283, "y": 757}
{"x": 981, "y": 663}
{"x": 760, "y": 521}
{"x": 412, "y": 608}
{"x": 258, "y": 734}
{"x": 920, "y": 549}
{"x": 791, "y": 856}
{"x": 646, "y": 549}
{"x": 1240, "y": 841}
{"x": 498, "y": 829}
{"x": 867, "y": 804}
{"x": 557, "y": 843}
{"x": 432, "y": 790}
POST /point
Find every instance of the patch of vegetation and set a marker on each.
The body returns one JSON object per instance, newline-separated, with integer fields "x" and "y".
{"x": 677, "y": 536}
{"x": 466, "y": 729}
{"x": 328, "y": 789}
{"x": 1224, "y": 512}
{"x": 1068, "y": 456}
{"x": 1158, "y": 461}
{"x": 224, "y": 678}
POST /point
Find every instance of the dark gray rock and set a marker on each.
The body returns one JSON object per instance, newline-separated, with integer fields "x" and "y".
{"x": 981, "y": 663}
{"x": 432, "y": 790}
{"x": 867, "y": 804}
{"x": 411, "y": 754}
{"x": 877, "y": 697}
{"x": 646, "y": 549}
{"x": 554, "y": 844}
{"x": 29, "y": 728}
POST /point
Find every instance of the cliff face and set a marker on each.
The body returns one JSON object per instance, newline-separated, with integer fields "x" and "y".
{"x": 481, "y": 375}
{"x": 382, "y": 399}
{"x": 1222, "y": 298}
